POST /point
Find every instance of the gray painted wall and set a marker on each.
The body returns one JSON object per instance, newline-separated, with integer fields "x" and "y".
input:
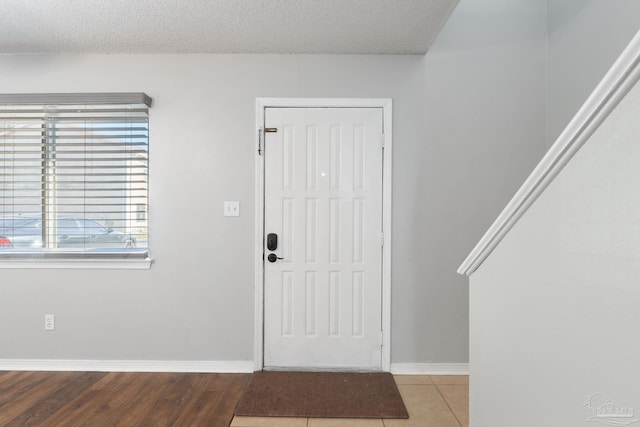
{"x": 469, "y": 125}
{"x": 554, "y": 309}
{"x": 585, "y": 38}
{"x": 484, "y": 132}
{"x": 197, "y": 300}
{"x": 463, "y": 141}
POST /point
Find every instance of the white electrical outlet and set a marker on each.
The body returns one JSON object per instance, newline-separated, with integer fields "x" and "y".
{"x": 49, "y": 322}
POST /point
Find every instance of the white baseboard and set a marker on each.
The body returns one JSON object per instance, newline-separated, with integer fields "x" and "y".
{"x": 203, "y": 366}
{"x": 430, "y": 368}
{"x": 197, "y": 366}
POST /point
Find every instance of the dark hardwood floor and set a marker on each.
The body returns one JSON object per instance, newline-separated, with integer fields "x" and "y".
{"x": 118, "y": 399}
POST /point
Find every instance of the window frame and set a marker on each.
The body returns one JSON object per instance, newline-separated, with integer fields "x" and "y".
{"x": 83, "y": 259}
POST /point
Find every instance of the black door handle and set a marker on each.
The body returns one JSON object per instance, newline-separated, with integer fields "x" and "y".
{"x": 272, "y": 241}
{"x": 273, "y": 257}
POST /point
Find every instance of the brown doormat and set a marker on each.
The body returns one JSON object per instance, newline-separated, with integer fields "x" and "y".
{"x": 322, "y": 395}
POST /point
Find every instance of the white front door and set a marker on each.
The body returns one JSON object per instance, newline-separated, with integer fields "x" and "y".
{"x": 323, "y": 204}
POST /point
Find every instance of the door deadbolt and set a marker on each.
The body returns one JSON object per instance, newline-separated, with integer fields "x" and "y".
{"x": 272, "y": 241}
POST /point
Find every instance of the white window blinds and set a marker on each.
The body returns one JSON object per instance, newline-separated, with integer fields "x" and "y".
{"x": 74, "y": 175}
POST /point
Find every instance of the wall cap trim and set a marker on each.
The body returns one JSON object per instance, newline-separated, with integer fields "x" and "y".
{"x": 620, "y": 78}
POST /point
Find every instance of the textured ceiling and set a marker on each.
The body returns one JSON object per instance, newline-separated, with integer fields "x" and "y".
{"x": 221, "y": 26}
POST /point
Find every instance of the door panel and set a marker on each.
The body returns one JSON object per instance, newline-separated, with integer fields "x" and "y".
{"x": 323, "y": 198}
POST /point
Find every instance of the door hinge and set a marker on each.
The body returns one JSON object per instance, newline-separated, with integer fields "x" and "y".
{"x": 382, "y": 140}
{"x": 271, "y": 130}
{"x": 381, "y": 339}
{"x": 381, "y": 239}
{"x": 260, "y": 142}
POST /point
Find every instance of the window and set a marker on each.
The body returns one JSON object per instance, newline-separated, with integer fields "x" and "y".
{"x": 73, "y": 176}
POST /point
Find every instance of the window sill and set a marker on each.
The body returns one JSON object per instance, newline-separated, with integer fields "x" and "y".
{"x": 78, "y": 264}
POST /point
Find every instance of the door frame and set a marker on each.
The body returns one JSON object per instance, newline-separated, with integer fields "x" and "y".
{"x": 386, "y": 105}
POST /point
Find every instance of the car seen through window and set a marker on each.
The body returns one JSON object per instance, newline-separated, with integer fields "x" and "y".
{"x": 66, "y": 232}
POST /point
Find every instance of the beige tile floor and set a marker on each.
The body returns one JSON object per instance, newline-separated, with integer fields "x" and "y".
{"x": 438, "y": 401}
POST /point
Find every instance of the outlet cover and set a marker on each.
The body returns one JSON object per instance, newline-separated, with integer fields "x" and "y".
{"x": 49, "y": 322}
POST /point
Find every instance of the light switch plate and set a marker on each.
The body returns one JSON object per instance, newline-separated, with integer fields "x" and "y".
{"x": 231, "y": 208}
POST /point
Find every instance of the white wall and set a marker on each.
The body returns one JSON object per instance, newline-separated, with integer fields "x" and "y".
{"x": 501, "y": 81}
{"x": 197, "y": 300}
{"x": 585, "y": 37}
{"x": 484, "y": 132}
{"x": 555, "y": 308}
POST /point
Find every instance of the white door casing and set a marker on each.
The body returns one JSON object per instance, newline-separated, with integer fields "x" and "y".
{"x": 321, "y": 188}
